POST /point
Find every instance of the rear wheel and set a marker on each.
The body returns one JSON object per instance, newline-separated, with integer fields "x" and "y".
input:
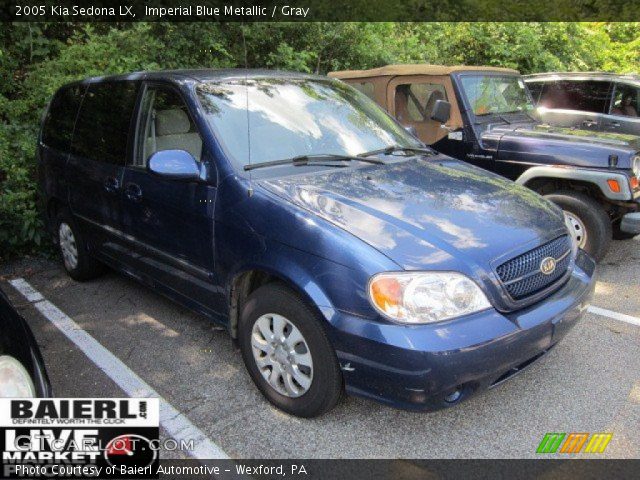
{"x": 287, "y": 352}
{"x": 591, "y": 226}
{"x": 77, "y": 261}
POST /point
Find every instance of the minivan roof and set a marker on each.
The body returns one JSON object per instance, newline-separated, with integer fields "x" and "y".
{"x": 416, "y": 69}
{"x": 201, "y": 75}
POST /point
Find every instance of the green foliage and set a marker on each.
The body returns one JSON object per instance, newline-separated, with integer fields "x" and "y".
{"x": 36, "y": 58}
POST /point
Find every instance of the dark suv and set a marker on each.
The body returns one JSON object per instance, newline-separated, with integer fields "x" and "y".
{"x": 489, "y": 120}
{"x": 594, "y": 101}
{"x": 336, "y": 249}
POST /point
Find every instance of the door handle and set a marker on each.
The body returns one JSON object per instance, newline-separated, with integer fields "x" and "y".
{"x": 133, "y": 192}
{"x": 613, "y": 124}
{"x": 111, "y": 184}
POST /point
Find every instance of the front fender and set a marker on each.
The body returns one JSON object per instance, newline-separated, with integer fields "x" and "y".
{"x": 596, "y": 177}
{"x": 325, "y": 284}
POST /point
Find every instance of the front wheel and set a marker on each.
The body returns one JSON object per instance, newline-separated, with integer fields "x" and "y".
{"x": 590, "y": 224}
{"x": 287, "y": 352}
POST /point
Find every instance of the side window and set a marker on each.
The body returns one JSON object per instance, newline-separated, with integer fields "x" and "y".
{"x": 535, "y": 88}
{"x": 626, "y": 100}
{"x": 165, "y": 124}
{"x": 102, "y": 129}
{"x": 60, "y": 119}
{"x": 366, "y": 88}
{"x": 588, "y": 96}
{"x": 415, "y": 101}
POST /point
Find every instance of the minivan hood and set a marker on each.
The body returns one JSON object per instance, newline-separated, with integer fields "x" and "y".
{"x": 560, "y": 145}
{"x": 428, "y": 213}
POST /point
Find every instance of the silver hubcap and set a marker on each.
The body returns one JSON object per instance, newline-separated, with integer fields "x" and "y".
{"x": 68, "y": 246}
{"x": 282, "y": 355}
{"x": 578, "y": 229}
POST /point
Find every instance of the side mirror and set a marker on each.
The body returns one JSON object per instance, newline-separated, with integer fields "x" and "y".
{"x": 175, "y": 165}
{"x": 441, "y": 111}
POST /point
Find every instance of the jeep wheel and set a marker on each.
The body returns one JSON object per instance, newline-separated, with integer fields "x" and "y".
{"x": 591, "y": 224}
{"x": 77, "y": 261}
{"x": 287, "y": 352}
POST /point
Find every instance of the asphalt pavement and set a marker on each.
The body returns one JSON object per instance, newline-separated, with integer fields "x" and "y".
{"x": 589, "y": 383}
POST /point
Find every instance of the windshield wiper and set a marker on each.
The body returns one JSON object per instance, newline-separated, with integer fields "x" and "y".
{"x": 316, "y": 159}
{"x": 395, "y": 148}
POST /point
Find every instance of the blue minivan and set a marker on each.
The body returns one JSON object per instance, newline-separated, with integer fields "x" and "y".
{"x": 340, "y": 253}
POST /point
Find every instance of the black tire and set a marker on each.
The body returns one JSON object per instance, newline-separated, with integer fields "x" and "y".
{"x": 619, "y": 234}
{"x": 326, "y": 383}
{"x": 86, "y": 267}
{"x": 595, "y": 219}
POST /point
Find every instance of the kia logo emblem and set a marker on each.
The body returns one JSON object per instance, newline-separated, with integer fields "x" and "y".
{"x": 548, "y": 265}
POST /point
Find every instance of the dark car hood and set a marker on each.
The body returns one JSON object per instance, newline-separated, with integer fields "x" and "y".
{"x": 560, "y": 145}
{"x": 428, "y": 213}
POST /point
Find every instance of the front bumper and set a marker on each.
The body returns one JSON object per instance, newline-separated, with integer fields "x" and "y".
{"x": 417, "y": 367}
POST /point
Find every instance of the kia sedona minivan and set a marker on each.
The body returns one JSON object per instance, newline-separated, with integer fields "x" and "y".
{"x": 339, "y": 252}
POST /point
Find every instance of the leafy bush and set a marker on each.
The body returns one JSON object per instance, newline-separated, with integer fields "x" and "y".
{"x": 37, "y": 58}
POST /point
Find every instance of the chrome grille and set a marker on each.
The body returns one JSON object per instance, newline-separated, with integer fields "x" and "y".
{"x": 521, "y": 275}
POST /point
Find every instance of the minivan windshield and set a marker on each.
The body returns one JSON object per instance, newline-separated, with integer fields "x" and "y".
{"x": 498, "y": 94}
{"x": 260, "y": 120}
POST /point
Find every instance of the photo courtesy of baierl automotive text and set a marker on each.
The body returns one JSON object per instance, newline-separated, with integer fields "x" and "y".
{"x": 315, "y": 240}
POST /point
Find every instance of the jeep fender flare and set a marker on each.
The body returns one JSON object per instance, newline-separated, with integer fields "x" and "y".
{"x": 595, "y": 177}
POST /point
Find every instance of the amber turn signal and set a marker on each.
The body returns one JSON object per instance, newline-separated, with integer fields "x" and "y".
{"x": 386, "y": 293}
{"x": 614, "y": 185}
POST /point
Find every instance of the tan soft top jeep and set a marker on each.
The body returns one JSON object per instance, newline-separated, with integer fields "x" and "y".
{"x": 485, "y": 116}
{"x": 409, "y": 92}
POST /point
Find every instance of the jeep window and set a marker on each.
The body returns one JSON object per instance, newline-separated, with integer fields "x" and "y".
{"x": 61, "y": 116}
{"x": 626, "y": 100}
{"x": 102, "y": 128}
{"x": 415, "y": 101}
{"x": 365, "y": 87}
{"x": 584, "y": 95}
{"x": 488, "y": 94}
{"x": 165, "y": 124}
{"x": 282, "y": 118}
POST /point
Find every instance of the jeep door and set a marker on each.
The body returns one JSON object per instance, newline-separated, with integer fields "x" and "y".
{"x": 411, "y": 99}
{"x": 624, "y": 109}
{"x": 581, "y": 103}
{"x": 99, "y": 150}
{"x": 169, "y": 221}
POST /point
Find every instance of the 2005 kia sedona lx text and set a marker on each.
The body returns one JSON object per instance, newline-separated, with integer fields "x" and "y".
{"x": 339, "y": 251}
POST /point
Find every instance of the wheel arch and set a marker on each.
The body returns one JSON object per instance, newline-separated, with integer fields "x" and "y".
{"x": 249, "y": 279}
{"x": 545, "y": 180}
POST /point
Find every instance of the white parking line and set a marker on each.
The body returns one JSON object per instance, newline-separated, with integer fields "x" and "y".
{"x": 614, "y": 315}
{"x": 174, "y": 422}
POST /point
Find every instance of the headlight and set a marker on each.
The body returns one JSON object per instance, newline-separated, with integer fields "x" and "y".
{"x": 635, "y": 165}
{"x": 425, "y": 297}
{"x": 15, "y": 381}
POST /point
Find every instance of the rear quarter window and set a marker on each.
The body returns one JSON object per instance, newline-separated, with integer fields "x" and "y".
{"x": 104, "y": 123}
{"x": 60, "y": 118}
